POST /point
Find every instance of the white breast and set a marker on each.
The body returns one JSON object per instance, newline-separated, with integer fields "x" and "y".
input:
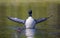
{"x": 30, "y": 23}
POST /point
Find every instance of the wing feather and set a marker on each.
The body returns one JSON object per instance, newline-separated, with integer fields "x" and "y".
{"x": 16, "y": 20}
{"x": 42, "y": 19}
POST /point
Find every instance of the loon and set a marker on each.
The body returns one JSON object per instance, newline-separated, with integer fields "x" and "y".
{"x": 29, "y": 23}
{"x": 29, "y": 19}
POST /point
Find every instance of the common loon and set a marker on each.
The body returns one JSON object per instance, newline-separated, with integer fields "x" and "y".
{"x": 29, "y": 18}
{"x": 29, "y": 23}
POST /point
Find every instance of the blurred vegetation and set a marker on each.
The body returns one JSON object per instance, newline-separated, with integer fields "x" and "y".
{"x": 48, "y": 29}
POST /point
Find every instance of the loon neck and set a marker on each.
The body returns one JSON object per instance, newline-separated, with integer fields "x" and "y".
{"x": 30, "y": 16}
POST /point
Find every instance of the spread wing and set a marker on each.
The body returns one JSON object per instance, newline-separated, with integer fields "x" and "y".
{"x": 42, "y": 19}
{"x": 16, "y": 20}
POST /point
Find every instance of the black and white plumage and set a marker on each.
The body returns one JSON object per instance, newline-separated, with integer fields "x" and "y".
{"x": 16, "y": 20}
{"x": 29, "y": 23}
{"x": 30, "y": 17}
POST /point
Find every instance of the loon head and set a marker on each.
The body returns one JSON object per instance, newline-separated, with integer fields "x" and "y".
{"x": 30, "y": 12}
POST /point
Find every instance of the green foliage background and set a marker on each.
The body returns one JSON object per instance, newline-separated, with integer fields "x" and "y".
{"x": 48, "y": 29}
